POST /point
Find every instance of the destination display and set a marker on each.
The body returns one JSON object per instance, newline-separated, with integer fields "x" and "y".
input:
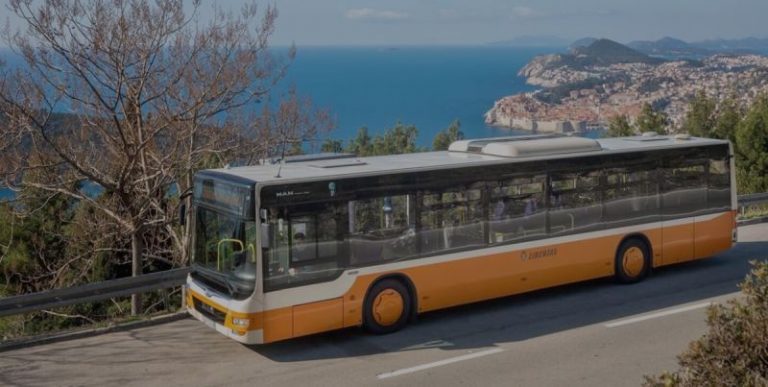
{"x": 225, "y": 196}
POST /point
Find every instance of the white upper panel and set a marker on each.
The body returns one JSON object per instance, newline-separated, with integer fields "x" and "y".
{"x": 463, "y": 153}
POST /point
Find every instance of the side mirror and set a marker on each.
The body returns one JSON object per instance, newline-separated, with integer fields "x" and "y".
{"x": 265, "y": 236}
{"x": 183, "y": 214}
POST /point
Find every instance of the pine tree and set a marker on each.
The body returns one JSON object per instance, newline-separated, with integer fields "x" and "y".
{"x": 651, "y": 120}
{"x": 332, "y": 146}
{"x": 700, "y": 118}
{"x": 727, "y": 120}
{"x": 752, "y": 145}
{"x": 398, "y": 139}
{"x": 450, "y": 134}
{"x": 619, "y": 126}
{"x": 362, "y": 144}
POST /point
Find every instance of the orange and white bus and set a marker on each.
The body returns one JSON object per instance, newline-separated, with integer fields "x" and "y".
{"x": 323, "y": 243}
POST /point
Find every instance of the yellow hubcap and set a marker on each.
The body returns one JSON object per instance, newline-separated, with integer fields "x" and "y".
{"x": 387, "y": 307}
{"x": 634, "y": 262}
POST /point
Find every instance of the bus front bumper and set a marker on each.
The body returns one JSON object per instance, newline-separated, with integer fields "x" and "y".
{"x": 242, "y": 327}
{"x": 242, "y": 336}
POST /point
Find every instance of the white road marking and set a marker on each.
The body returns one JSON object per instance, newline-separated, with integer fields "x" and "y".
{"x": 429, "y": 344}
{"x": 663, "y": 313}
{"x": 440, "y": 363}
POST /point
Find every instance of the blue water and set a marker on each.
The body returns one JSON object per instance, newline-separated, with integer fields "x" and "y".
{"x": 428, "y": 87}
{"x": 6, "y": 194}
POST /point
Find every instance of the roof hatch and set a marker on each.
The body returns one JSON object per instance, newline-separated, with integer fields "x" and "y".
{"x": 527, "y": 146}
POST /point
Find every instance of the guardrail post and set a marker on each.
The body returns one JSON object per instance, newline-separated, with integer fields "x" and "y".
{"x": 136, "y": 269}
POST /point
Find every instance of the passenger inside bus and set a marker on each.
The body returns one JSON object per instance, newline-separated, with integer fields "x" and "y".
{"x": 499, "y": 209}
{"x": 531, "y": 206}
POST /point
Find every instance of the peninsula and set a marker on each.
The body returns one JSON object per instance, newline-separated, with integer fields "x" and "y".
{"x": 588, "y": 86}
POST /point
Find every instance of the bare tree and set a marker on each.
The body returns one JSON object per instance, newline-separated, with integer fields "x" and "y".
{"x": 285, "y": 129}
{"x": 131, "y": 96}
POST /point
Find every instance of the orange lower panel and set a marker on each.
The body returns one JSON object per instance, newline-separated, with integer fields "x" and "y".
{"x": 698, "y": 239}
{"x": 278, "y": 324}
{"x": 677, "y": 243}
{"x": 317, "y": 317}
{"x": 459, "y": 282}
{"x": 713, "y": 236}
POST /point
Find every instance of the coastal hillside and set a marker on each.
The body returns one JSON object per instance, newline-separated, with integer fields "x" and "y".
{"x": 604, "y": 52}
{"x": 600, "y": 52}
{"x": 592, "y": 84}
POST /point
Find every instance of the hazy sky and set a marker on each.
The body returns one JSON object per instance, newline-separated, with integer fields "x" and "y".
{"x": 458, "y": 22}
{"x": 393, "y": 22}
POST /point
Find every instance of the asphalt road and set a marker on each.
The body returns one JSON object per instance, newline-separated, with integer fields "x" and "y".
{"x": 593, "y": 333}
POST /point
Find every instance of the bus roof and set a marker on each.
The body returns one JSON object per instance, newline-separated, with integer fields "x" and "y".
{"x": 490, "y": 151}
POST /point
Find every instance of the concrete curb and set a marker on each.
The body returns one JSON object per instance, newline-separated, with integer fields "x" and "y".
{"x": 89, "y": 332}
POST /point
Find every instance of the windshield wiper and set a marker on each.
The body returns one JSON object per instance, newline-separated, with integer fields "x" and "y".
{"x": 231, "y": 288}
{"x": 216, "y": 277}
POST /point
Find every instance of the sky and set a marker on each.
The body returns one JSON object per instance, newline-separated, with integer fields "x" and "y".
{"x": 361, "y": 22}
{"x": 446, "y": 22}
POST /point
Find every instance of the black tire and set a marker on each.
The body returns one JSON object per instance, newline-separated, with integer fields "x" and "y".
{"x": 626, "y": 268}
{"x": 386, "y": 287}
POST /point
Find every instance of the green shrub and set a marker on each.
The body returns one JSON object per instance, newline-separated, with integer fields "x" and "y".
{"x": 735, "y": 350}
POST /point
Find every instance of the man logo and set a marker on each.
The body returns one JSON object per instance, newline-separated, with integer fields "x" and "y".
{"x": 332, "y": 188}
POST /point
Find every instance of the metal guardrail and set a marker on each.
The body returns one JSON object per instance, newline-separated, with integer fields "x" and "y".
{"x": 92, "y": 292}
{"x": 750, "y": 199}
{"x": 165, "y": 279}
{"x": 746, "y": 201}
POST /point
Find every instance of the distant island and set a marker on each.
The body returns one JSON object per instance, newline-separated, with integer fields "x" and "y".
{"x": 600, "y": 78}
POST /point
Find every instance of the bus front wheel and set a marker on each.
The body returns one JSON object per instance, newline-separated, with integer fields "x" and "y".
{"x": 633, "y": 261}
{"x": 387, "y": 307}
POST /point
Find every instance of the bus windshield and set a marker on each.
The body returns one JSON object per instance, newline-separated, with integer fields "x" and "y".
{"x": 224, "y": 252}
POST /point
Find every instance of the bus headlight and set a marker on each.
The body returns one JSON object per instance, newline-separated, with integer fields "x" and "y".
{"x": 241, "y": 322}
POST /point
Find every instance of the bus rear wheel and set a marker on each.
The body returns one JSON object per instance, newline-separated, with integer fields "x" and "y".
{"x": 387, "y": 307}
{"x": 633, "y": 261}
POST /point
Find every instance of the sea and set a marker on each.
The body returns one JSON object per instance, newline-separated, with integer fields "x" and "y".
{"x": 378, "y": 86}
{"x": 428, "y": 87}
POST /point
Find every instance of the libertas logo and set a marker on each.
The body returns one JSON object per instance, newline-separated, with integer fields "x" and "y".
{"x": 527, "y": 255}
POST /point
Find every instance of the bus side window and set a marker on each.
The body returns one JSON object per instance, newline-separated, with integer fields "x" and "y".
{"x": 452, "y": 218}
{"x": 303, "y": 237}
{"x": 381, "y": 228}
{"x": 719, "y": 184}
{"x": 277, "y": 254}
{"x": 304, "y": 244}
{"x": 574, "y": 202}
{"x": 517, "y": 208}
{"x": 629, "y": 194}
{"x": 684, "y": 182}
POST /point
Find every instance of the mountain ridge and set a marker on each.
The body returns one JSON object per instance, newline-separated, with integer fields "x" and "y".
{"x": 601, "y": 52}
